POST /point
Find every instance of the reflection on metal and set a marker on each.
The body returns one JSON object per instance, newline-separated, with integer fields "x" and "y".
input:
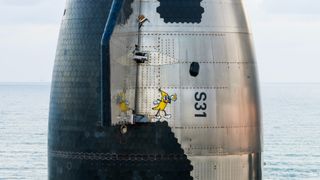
{"x": 105, "y": 62}
{"x": 140, "y": 119}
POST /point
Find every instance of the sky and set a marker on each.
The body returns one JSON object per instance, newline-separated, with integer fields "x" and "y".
{"x": 286, "y": 37}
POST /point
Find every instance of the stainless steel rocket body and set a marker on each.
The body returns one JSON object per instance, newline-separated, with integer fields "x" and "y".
{"x": 186, "y": 63}
{"x": 216, "y": 117}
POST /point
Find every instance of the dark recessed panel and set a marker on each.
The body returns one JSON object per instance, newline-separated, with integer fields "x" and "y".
{"x": 180, "y": 11}
{"x": 194, "y": 69}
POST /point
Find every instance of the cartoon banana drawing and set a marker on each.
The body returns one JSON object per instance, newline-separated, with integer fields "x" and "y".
{"x": 162, "y": 103}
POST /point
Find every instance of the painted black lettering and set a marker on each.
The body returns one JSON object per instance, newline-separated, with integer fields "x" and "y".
{"x": 198, "y": 107}
{"x": 200, "y": 104}
{"x": 201, "y": 115}
{"x": 200, "y": 96}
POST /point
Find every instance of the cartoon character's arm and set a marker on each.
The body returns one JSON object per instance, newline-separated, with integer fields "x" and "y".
{"x": 156, "y": 102}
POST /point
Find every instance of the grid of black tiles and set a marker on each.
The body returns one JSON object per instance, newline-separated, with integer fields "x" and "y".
{"x": 74, "y": 119}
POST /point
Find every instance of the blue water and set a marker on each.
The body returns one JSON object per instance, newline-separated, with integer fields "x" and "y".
{"x": 23, "y": 131}
{"x": 291, "y": 117}
{"x": 291, "y": 114}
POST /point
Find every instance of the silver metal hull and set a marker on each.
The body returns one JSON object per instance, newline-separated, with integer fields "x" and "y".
{"x": 216, "y": 117}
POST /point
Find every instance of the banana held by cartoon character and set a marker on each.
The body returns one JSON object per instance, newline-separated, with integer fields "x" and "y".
{"x": 162, "y": 103}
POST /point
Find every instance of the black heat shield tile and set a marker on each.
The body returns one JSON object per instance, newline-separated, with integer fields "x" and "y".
{"x": 180, "y": 11}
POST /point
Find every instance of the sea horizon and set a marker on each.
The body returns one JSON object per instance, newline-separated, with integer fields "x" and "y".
{"x": 290, "y": 113}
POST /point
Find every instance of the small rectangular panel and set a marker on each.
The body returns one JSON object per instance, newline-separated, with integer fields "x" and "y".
{"x": 233, "y": 167}
{"x": 214, "y": 140}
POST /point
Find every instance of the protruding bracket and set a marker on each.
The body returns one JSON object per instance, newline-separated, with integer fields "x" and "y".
{"x": 140, "y": 57}
{"x": 142, "y": 19}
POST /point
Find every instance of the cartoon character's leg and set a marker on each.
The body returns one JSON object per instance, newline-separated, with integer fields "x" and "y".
{"x": 157, "y": 116}
{"x": 167, "y": 116}
{"x": 157, "y": 113}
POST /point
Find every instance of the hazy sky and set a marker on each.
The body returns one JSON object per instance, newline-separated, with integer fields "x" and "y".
{"x": 286, "y": 33}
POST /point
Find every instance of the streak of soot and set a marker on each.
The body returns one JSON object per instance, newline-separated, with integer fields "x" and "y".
{"x": 125, "y": 12}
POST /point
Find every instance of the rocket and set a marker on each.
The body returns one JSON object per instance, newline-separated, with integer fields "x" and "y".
{"x": 155, "y": 89}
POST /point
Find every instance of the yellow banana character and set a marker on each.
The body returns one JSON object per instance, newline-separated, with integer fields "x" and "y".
{"x": 162, "y": 103}
{"x": 122, "y": 103}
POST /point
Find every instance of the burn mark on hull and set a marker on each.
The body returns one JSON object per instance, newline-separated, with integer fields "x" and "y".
{"x": 125, "y": 12}
{"x": 180, "y": 11}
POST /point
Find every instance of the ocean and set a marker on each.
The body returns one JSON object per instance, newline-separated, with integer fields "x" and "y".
{"x": 291, "y": 123}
